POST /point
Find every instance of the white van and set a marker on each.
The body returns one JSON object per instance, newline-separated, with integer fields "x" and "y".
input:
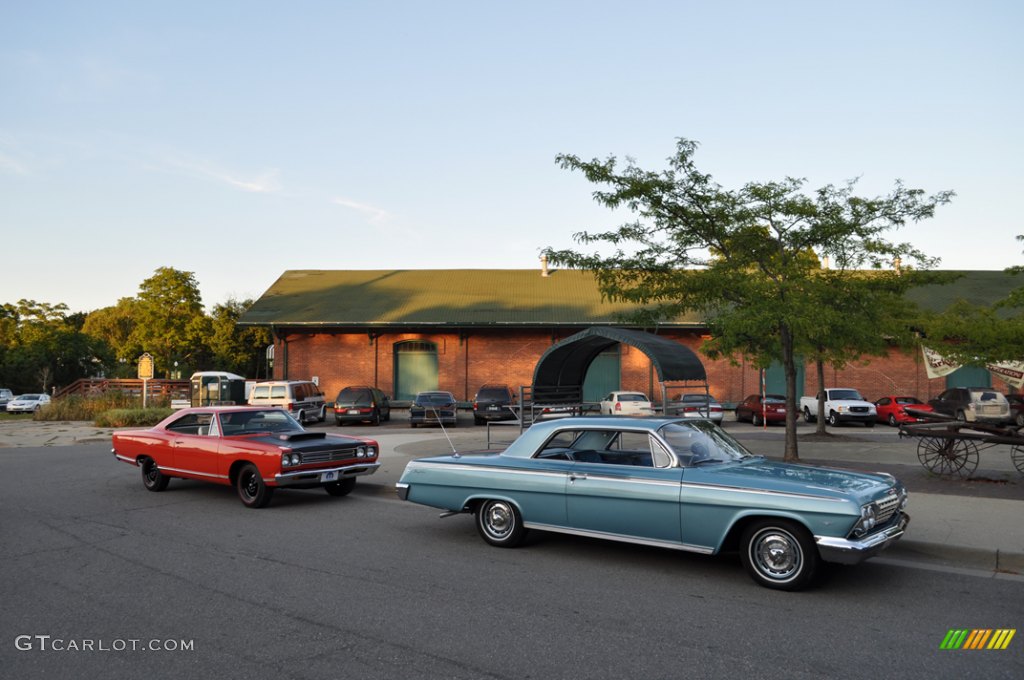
{"x": 302, "y": 398}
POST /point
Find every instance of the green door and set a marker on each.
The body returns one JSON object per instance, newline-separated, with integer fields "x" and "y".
{"x": 775, "y": 379}
{"x": 969, "y": 376}
{"x": 415, "y": 368}
{"x": 602, "y": 376}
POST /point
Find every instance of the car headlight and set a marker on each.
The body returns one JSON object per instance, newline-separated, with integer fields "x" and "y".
{"x": 361, "y": 452}
{"x": 371, "y": 452}
{"x": 868, "y": 519}
{"x": 290, "y": 459}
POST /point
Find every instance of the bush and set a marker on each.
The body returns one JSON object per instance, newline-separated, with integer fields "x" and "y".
{"x": 87, "y": 408}
{"x": 132, "y": 417}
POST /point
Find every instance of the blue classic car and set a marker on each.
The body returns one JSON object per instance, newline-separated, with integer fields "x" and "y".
{"x": 669, "y": 482}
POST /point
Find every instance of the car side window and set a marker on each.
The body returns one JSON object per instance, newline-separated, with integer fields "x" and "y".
{"x": 193, "y": 423}
{"x": 884, "y": 401}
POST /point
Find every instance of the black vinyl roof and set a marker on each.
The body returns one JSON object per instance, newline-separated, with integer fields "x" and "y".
{"x": 566, "y": 363}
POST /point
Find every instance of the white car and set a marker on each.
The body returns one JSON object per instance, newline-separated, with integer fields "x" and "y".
{"x": 697, "y": 406}
{"x": 27, "y": 403}
{"x": 626, "y": 404}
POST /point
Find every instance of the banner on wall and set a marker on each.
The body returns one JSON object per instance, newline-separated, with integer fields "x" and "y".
{"x": 937, "y": 366}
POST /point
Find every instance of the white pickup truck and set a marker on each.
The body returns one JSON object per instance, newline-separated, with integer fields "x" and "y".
{"x": 842, "y": 405}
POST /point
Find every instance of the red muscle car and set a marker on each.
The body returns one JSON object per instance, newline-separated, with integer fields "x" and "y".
{"x": 891, "y": 409}
{"x": 255, "y": 450}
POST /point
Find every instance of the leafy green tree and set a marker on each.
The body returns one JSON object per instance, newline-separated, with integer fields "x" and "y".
{"x": 239, "y": 350}
{"x": 169, "y": 320}
{"x": 42, "y": 346}
{"x": 115, "y": 326}
{"x": 747, "y": 259}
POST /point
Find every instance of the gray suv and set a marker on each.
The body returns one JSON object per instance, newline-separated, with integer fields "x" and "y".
{"x": 973, "y": 405}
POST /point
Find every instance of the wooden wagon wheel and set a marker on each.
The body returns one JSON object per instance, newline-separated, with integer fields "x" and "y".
{"x": 944, "y": 456}
{"x": 1017, "y": 456}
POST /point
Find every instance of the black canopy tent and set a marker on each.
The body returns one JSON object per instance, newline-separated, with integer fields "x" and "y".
{"x": 558, "y": 377}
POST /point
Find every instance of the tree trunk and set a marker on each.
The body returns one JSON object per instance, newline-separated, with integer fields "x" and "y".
{"x": 820, "y": 366}
{"x": 789, "y": 368}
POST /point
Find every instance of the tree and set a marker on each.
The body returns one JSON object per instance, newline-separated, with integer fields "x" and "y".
{"x": 41, "y": 346}
{"x": 169, "y": 320}
{"x": 115, "y": 326}
{"x": 234, "y": 349}
{"x": 747, "y": 259}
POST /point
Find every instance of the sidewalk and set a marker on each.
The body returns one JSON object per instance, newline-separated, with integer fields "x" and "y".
{"x": 975, "y": 524}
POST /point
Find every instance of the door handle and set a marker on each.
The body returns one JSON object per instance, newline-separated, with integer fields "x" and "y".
{"x": 573, "y": 476}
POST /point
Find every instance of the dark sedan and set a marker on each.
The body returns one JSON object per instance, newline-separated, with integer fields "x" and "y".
{"x": 433, "y": 407}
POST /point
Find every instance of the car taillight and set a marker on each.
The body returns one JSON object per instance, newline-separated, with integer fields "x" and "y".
{"x": 689, "y": 409}
{"x": 618, "y": 406}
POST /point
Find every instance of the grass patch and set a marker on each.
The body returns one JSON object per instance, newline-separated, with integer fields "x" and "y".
{"x": 89, "y": 408}
{"x": 132, "y": 417}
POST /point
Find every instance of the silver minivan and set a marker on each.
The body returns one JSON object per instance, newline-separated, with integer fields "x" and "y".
{"x": 302, "y": 398}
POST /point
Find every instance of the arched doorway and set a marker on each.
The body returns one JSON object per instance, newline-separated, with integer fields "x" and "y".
{"x": 415, "y": 368}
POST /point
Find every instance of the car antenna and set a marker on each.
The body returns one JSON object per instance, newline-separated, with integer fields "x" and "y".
{"x": 441, "y": 423}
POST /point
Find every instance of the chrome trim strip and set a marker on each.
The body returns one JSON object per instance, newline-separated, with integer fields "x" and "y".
{"x": 126, "y": 459}
{"x": 589, "y": 476}
{"x": 550, "y": 473}
{"x": 621, "y": 538}
{"x": 403, "y": 490}
{"x": 191, "y": 472}
{"x": 414, "y": 465}
{"x": 763, "y": 492}
{"x": 285, "y": 478}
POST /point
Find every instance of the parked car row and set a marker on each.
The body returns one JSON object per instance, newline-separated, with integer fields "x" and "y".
{"x": 22, "y": 403}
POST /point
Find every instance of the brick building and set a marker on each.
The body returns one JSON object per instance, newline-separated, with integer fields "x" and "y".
{"x": 410, "y": 330}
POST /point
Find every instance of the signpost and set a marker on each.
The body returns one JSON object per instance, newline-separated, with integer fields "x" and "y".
{"x": 145, "y": 374}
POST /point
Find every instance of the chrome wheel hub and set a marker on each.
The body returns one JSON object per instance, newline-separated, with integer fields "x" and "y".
{"x": 776, "y": 554}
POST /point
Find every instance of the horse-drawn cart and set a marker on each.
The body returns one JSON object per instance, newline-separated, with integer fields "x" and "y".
{"x": 948, "y": 446}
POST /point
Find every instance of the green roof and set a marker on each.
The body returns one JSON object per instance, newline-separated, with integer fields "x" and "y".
{"x": 501, "y": 297}
{"x": 980, "y": 288}
{"x": 454, "y": 297}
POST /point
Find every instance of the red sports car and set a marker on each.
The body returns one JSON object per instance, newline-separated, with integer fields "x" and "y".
{"x": 256, "y": 450}
{"x": 892, "y": 409}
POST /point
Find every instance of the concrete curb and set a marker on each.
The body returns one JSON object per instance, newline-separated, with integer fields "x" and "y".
{"x": 946, "y": 555}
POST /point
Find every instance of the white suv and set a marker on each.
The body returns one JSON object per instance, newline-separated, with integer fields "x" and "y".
{"x": 302, "y": 398}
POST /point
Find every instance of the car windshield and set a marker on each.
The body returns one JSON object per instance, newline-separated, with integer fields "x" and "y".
{"x": 907, "y": 400}
{"x": 774, "y": 399}
{"x": 258, "y": 422}
{"x": 701, "y": 442}
{"x": 697, "y": 398}
{"x": 354, "y": 396}
{"x": 851, "y": 395}
{"x": 492, "y": 393}
{"x": 433, "y": 399}
{"x": 30, "y": 397}
{"x": 632, "y": 396}
{"x": 986, "y": 396}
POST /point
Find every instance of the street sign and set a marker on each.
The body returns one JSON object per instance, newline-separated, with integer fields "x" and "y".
{"x": 146, "y": 366}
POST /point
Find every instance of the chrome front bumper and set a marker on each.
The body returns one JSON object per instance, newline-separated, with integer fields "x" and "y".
{"x": 846, "y": 551}
{"x": 312, "y": 477}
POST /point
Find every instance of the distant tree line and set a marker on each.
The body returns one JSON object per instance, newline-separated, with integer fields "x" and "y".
{"x": 43, "y": 346}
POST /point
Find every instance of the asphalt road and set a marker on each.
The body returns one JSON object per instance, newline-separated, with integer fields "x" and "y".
{"x": 369, "y": 587}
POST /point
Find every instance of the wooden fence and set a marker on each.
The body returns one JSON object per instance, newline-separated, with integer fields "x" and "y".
{"x": 155, "y": 389}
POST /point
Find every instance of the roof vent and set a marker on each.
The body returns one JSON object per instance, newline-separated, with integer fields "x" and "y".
{"x": 544, "y": 266}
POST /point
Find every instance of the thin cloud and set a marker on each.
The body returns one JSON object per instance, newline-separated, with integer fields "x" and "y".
{"x": 266, "y": 182}
{"x": 12, "y": 165}
{"x": 374, "y": 213}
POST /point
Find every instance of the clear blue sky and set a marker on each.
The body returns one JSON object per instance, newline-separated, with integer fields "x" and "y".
{"x": 237, "y": 140}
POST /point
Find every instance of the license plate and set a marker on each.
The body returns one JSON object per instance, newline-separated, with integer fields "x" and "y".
{"x": 781, "y": 410}
{"x": 353, "y": 411}
{"x": 329, "y": 476}
{"x": 492, "y": 408}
